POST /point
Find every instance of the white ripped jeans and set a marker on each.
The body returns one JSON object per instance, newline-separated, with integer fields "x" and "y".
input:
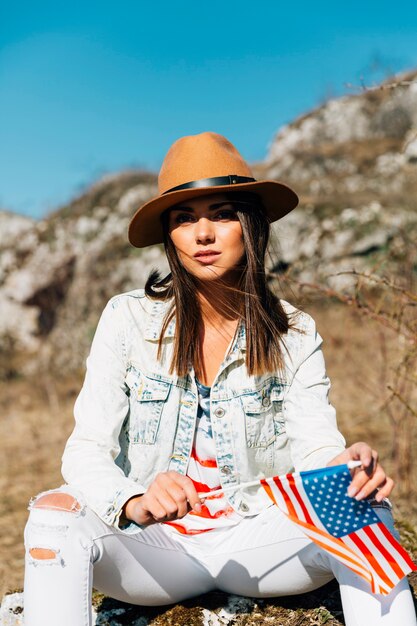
{"x": 263, "y": 556}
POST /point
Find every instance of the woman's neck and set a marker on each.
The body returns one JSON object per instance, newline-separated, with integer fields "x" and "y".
{"x": 221, "y": 307}
{"x": 219, "y": 304}
{"x": 220, "y": 319}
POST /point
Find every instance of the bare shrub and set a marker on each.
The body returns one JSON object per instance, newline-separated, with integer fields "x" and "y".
{"x": 389, "y": 304}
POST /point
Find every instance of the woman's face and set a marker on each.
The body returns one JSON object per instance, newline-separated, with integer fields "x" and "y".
{"x": 208, "y": 237}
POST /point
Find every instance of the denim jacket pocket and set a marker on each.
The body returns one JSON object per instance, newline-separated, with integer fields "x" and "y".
{"x": 263, "y": 413}
{"x": 277, "y": 398}
{"x": 147, "y": 398}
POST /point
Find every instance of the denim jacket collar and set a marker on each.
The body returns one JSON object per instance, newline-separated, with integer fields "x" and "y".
{"x": 241, "y": 337}
{"x": 156, "y": 320}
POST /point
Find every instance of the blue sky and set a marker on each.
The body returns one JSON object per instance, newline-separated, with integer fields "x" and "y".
{"x": 96, "y": 87}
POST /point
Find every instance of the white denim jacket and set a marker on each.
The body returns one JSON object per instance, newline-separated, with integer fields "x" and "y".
{"x": 134, "y": 419}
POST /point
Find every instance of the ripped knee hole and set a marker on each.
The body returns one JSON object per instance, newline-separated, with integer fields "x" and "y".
{"x": 42, "y": 554}
{"x": 59, "y": 501}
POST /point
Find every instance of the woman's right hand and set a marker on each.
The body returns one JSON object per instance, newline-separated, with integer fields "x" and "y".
{"x": 169, "y": 497}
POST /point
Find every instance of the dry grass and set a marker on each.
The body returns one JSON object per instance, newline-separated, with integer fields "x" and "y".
{"x": 37, "y": 419}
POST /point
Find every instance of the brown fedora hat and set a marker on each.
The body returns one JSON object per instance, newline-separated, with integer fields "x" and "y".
{"x": 195, "y": 166}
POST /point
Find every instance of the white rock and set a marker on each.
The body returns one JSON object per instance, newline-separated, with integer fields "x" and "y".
{"x": 410, "y": 145}
{"x": 390, "y": 163}
{"x": 348, "y": 215}
{"x": 337, "y": 121}
{"x": 227, "y": 614}
{"x": 86, "y": 226}
{"x": 40, "y": 270}
{"x": 101, "y": 213}
{"x": 309, "y": 244}
{"x": 353, "y": 183}
{"x": 20, "y": 323}
{"x": 336, "y": 244}
{"x": 12, "y": 614}
{"x": 27, "y": 240}
{"x": 11, "y": 610}
{"x": 13, "y": 226}
{"x": 7, "y": 262}
{"x": 134, "y": 197}
{"x": 376, "y": 239}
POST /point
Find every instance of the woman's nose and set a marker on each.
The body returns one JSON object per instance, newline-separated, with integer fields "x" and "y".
{"x": 204, "y": 231}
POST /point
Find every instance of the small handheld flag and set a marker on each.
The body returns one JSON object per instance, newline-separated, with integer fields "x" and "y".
{"x": 348, "y": 529}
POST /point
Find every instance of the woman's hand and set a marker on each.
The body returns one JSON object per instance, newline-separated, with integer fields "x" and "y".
{"x": 169, "y": 497}
{"x": 368, "y": 478}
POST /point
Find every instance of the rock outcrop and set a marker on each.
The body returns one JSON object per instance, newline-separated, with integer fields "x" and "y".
{"x": 352, "y": 160}
{"x": 56, "y": 275}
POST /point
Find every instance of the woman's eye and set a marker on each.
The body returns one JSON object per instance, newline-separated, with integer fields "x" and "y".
{"x": 183, "y": 218}
{"x": 226, "y": 214}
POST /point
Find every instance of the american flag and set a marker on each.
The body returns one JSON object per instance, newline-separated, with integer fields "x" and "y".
{"x": 348, "y": 529}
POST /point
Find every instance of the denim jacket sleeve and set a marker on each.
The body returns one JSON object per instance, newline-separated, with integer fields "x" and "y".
{"x": 100, "y": 410}
{"x": 310, "y": 418}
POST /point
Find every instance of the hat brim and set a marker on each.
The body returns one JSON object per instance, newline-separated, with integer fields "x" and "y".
{"x": 145, "y": 227}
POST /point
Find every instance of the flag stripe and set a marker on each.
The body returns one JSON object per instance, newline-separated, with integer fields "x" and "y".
{"x": 333, "y": 544}
{"x": 294, "y": 489}
{"x": 346, "y": 554}
{"x": 377, "y": 584}
{"x": 397, "y": 546}
{"x": 330, "y": 541}
{"x": 353, "y": 564}
{"x": 350, "y": 531}
{"x": 397, "y": 550}
{"x": 287, "y": 500}
{"x": 385, "y": 563}
{"x": 298, "y": 510}
{"x": 373, "y": 537}
{"x": 371, "y": 559}
{"x": 268, "y": 490}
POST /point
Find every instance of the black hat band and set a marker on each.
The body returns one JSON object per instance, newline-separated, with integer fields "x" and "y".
{"x": 215, "y": 181}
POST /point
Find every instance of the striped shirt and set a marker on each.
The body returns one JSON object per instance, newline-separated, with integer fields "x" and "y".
{"x": 202, "y": 469}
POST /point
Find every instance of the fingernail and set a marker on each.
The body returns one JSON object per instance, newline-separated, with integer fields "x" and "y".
{"x": 197, "y": 508}
{"x": 360, "y": 495}
{"x": 351, "y": 491}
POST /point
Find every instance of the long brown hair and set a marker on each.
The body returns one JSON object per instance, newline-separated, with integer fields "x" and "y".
{"x": 261, "y": 311}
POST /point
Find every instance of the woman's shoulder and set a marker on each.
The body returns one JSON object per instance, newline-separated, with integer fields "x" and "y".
{"x": 299, "y": 321}
{"x": 123, "y": 298}
{"x": 302, "y": 339}
{"x": 135, "y": 303}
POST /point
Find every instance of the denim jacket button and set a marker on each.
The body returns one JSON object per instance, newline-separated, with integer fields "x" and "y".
{"x": 226, "y": 469}
{"x": 219, "y": 412}
{"x": 243, "y": 507}
{"x": 266, "y": 401}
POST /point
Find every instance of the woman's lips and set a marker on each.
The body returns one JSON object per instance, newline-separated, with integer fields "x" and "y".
{"x": 207, "y": 257}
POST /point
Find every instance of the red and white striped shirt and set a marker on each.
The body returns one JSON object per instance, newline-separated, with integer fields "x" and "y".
{"x": 202, "y": 469}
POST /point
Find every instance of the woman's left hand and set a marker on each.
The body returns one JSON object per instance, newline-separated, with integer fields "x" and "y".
{"x": 368, "y": 478}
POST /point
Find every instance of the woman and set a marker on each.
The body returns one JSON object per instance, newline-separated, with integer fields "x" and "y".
{"x": 204, "y": 379}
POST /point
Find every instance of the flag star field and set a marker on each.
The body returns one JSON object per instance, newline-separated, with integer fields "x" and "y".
{"x": 341, "y": 514}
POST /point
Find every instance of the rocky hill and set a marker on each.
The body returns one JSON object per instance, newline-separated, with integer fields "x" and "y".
{"x": 353, "y": 161}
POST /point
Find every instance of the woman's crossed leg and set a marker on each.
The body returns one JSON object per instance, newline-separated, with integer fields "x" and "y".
{"x": 69, "y": 548}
